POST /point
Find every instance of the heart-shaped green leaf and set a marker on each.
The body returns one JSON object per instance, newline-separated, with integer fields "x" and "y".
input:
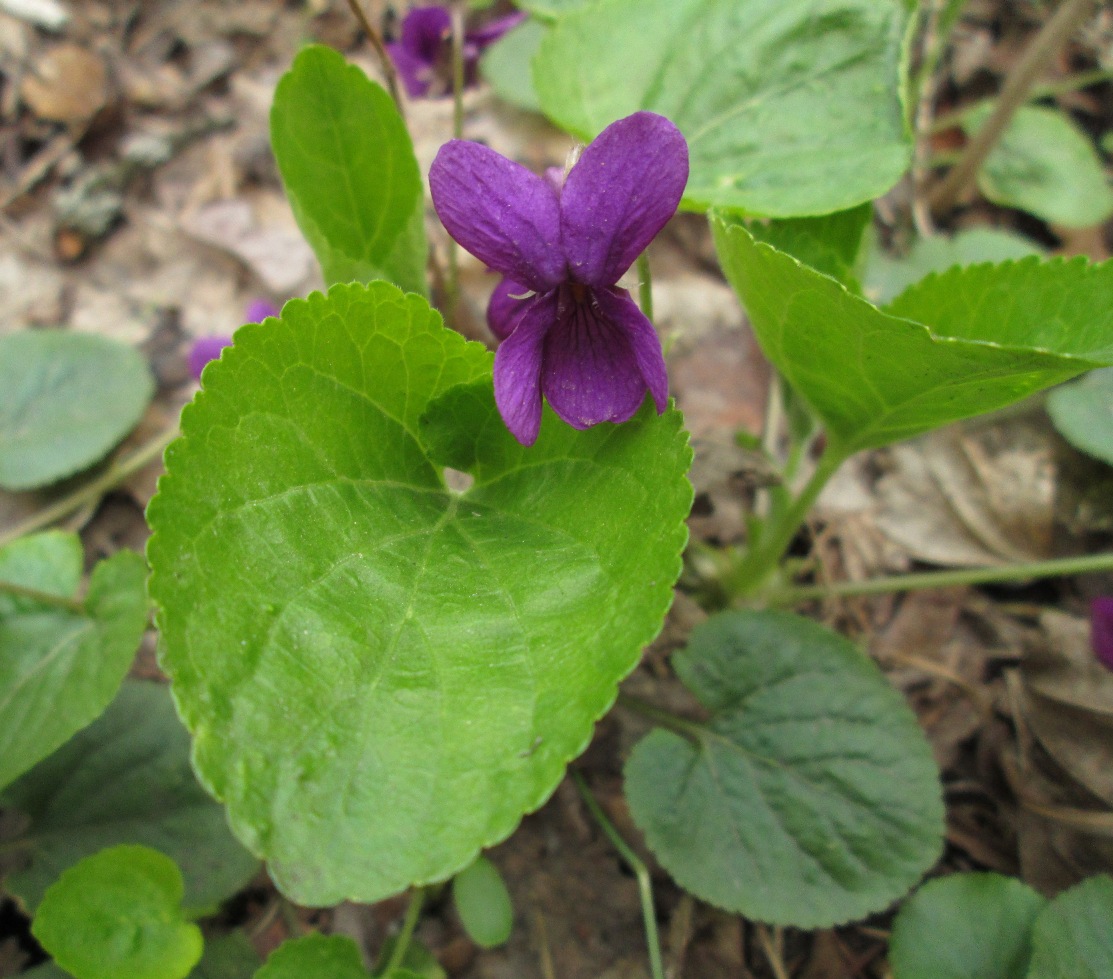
{"x": 117, "y": 915}
{"x": 789, "y": 109}
{"x": 65, "y": 400}
{"x": 955, "y": 345}
{"x": 60, "y": 667}
{"x": 966, "y": 925}
{"x": 126, "y": 778}
{"x": 350, "y": 172}
{"x": 1073, "y": 936}
{"x": 315, "y": 957}
{"x": 381, "y": 674}
{"x": 809, "y": 798}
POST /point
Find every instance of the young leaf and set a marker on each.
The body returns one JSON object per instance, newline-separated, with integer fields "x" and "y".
{"x": 65, "y": 400}
{"x": 483, "y": 903}
{"x": 350, "y": 172}
{"x": 809, "y": 798}
{"x": 126, "y": 778}
{"x": 1083, "y": 414}
{"x": 316, "y": 956}
{"x": 1045, "y": 165}
{"x": 966, "y": 925}
{"x": 956, "y": 345}
{"x": 117, "y": 915}
{"x": 789, "y": 109}
{"x": 1073, "y": 936}
{"x": 59, "y": 668}
{"x": 381, "y": 674}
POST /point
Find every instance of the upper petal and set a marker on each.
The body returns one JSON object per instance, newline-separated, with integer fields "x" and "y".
{"x": 518, "y": 370}
{"x": 424, "y": 31}
{"x": 621, "y": 192}
{"x": 415, "y": 72}
{"x": 617, "y": 306}
{"x": 590, "y": 372}
{"x": 507, "y": 304}
{"x": 506, "y": 216}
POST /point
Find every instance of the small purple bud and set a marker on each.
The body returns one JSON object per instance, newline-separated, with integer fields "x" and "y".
{"x": 203, "y": 350}
{"x": 258, "y": 310}
{"x": 1101, "y": 630}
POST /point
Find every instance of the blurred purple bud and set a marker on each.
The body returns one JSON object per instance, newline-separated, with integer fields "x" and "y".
{"x": 1101, "y": 630}
{"x": 258, "y": 310}
{"x": 203, "y": 350}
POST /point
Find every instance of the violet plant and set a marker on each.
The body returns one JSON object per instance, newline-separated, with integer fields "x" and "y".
{"x": 381, "y": 673}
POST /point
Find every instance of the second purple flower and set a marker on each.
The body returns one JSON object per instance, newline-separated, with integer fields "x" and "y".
{"x": 571, "y": 334}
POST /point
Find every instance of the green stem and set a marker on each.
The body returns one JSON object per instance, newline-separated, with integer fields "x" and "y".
{"x": 42, "y": 597}
{"x": 94, "y": 489}
{"x": 645, "y": 287}
{"x": 645, "y": 889}
{"x": 409, "y": 923}
{"x": 384, "y": 59}
{"x": 945, "y": 579}
{"x": 759, "y": 561}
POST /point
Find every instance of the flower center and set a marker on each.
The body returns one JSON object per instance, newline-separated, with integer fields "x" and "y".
{"x": 579, "y": 291}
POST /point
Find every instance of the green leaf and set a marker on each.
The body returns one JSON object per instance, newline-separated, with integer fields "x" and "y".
{"x": 809, "y": 798}
{"x": 1045, "y": 165}
{"x": 65, "y": 400}
{"x": 956, "y": 345}
{"x": 381, "y": 674}
{"x": 828, "y": 244}
{"x": 789, "y": 109}
{"x": 1083, "y": 414}
{"x": 126, "y": 779}
{"x": 552, "y": 9}
{"x": 887, "y": 277}
{"x": 483, "y": 903}
{"x": 350, "y": 172}
{"x": 315, "y": 957}
{"x": 506, "y": 64}
{"x": 963, "y": 926}
{"x": 59, "y": 668}
{"x": 117, "y": 915}
{"x": 1073, "y": 936}
{"x": 230, "y": 957}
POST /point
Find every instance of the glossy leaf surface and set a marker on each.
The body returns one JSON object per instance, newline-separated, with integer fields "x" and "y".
{"x": 381, "y": 674}
{"x": 809, "y": 798}
{"x": 789, "y": 109}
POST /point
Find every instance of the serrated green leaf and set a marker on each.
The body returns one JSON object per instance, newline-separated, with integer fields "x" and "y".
{"x": 956, "y": 345}
{"x": 1073, "y": 935}
{"x": 66, "y": 399}
{"x": 963, "y": 926}
{"x": 809, "y": 798}
{"x": 483, "y": 903}
{"x": 125, "y": 779}
{"x": 117, "y": 915}
{"x": 315, "y": 957}
{"x": 1045, "y": 165}
{"x": 383, "y": 675}
{"x": 59, "y": 669}
{"x": 349, "y": 169}
{"x": 789, "y": 109}
{"x": 1083, "y": 414}
{"x": 887, "y": 277}
{"x": 506, "y": 64}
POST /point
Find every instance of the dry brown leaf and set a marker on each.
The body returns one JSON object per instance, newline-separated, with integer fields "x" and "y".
{"x": 67, "y": 84}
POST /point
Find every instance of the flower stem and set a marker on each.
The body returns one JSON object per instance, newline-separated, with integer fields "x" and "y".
{"x": 94, "y": 489}
{"x": 409, "y": 923}
{"x": 645, "y": 286}
{"x": 385, "y": 61}
{"x": 42, "y": 597}
{"x": 1027, "y": 571}
{"x": 641, "y": 872}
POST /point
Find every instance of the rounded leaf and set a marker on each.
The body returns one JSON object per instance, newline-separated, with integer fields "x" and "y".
{"x": 315, "y": 957}
{"x": 483, "y": 903}
{"x": 1073, "y": 936}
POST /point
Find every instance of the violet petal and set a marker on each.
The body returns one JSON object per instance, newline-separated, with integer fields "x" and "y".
{"x": 506, "y": 216}
{"x": 590, "y": 372}
{"x": 416, "y": 73}
{"x": 494, "y": 29}
{"x": 518, "y": 370}
{"x": 617, "y": 306}
{"x": 1101, "y": 630}
{"x": 622, "y": 191}
{"x": 506, "y": 306}
{"x": 425, "y": 30}
{"x": 205, "y": 349}
{"x": 258, "y": 310}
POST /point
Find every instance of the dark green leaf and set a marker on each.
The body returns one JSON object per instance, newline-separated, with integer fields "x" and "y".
{"x": 229, "y": 957}
{"x": 349, "y": 168}
{"x": 65, "y": 400}
{"x": 1073, "y": 936}
{"x": 382, "y": 675}
{"x": 483, "y": 903}
{"x": 809, "y": 798}
{"x": 1083, "y": 414}
{"x": 126, "y": 779}
{"x": 315, "y": 957}
{"x": 789, "y": 109}
{"x": 828, "y": 244}
{"x": 966, "y": 926}
{"x": 956, "y": 345}
{"x": 117, "y": 915}
{"x": 59, "y": 669}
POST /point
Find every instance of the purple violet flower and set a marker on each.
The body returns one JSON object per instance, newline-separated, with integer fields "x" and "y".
{"x": 208, "y": 348}
{"x": 423, "y": 53}
{"x": 1101, "y": 630}
{"x": 569, "y": 333}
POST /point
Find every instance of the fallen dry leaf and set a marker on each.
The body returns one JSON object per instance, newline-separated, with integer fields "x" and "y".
{"x": 67, "y": 84}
